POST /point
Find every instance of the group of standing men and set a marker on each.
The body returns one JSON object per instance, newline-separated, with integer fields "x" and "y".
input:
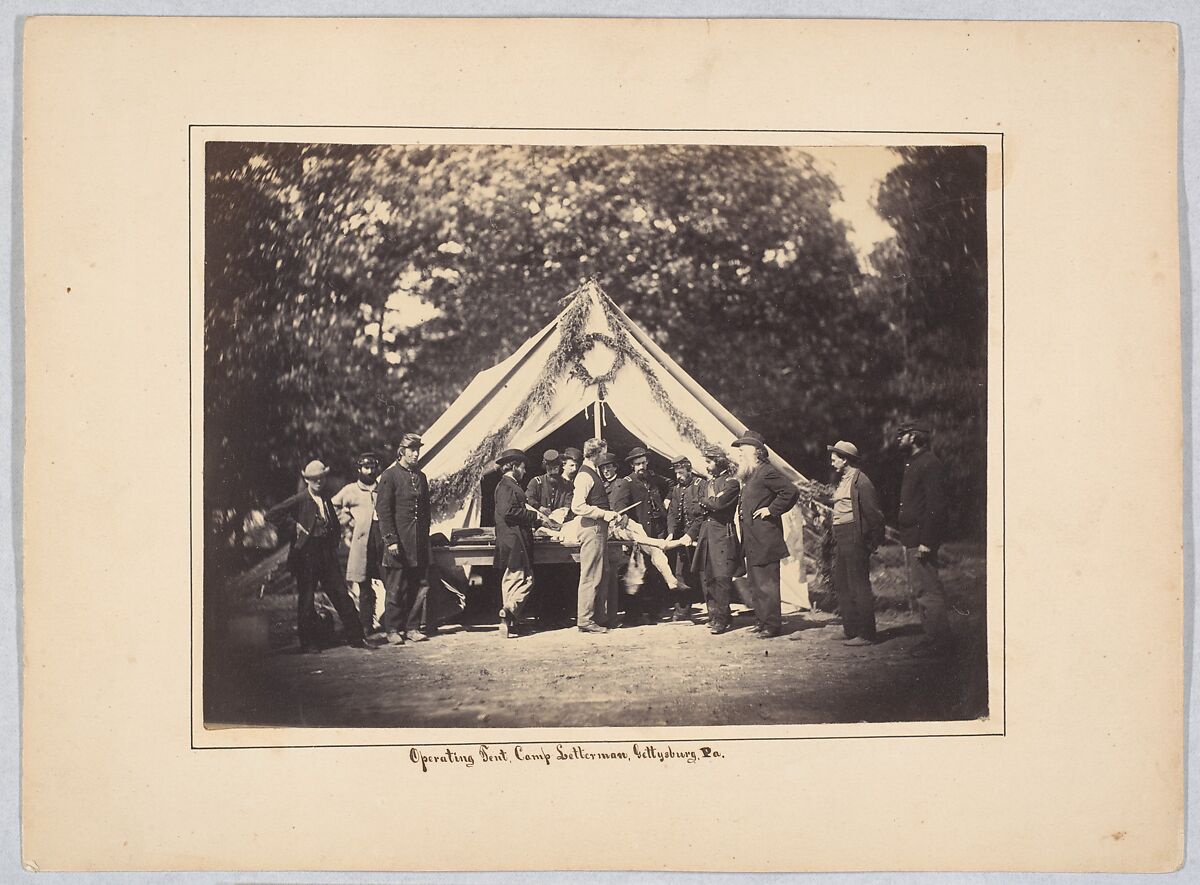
{"x": 716, "y": 527}
{"x": 691, "y": 512}
{"x": 857, "y": 527}
{"x": 389, "y": 518}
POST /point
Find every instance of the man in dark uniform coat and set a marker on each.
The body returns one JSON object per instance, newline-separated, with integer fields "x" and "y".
{"x": 555, "y": 582}
{"x": 766, "y": 496}
{"x": 549, "y": 491}
{"x": 718, "y": 557}
{"x": 313, "y": 558}
{"x": 515, "y": 523}
{"x": 922, "y": 523}
{"x": 402, "y": 503}
{"x": 643, "y": 491}
{"x": 683, "y": 510}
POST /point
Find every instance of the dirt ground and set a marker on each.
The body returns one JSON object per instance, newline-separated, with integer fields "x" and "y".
{"x": 660, "y": 674}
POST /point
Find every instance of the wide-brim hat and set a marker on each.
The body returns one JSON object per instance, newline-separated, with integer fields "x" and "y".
{"x": 751, "y": 438}
{"x": 510, "y": 455}
{"x": 574, "y": 454}
{"x": 681, "y": 461}
{"x": 606, "y": 459}
{"x": 845, "y": 449}
{"x": 314, "y": 470}
{"x": 636, "y": 452}
{"x": 551, "y": 456}
{"x": 411, "y": 441}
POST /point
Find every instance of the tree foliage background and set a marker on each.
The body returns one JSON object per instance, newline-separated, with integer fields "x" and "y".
{"x": 352, "y": 291}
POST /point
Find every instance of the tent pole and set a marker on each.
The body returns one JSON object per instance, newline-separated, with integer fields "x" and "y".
{"x": 596, "y": 416}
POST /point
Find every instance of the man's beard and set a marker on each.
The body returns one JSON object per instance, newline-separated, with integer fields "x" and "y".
{"x": 747, "y": 462}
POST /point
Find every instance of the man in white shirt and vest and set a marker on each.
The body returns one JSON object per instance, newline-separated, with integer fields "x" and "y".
{"x": 597, "y": 605}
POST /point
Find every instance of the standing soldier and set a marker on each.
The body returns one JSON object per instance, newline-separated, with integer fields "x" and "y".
{"x": 857, "y": 530}
{"x": 766, "y": 496}
{"x": 312, "y": 558}
{"x": 922, "y": 523}
{"x": 355, "y": 505}
{"x": 717, "y": 556}
{"x": 515, "y": 522}
{"x": 402, "y": 503}
{"x": 683, "y": 510}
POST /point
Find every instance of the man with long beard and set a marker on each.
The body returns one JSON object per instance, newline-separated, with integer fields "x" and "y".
{"x": 766, "y": 496}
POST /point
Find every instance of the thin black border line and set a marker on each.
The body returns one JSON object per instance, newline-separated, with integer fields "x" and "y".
{"x": 1003, "y": 465}
{"x": 191, "y": 450}
{"x": 593, "y": 129}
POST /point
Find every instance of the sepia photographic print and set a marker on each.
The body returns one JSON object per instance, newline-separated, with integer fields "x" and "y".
{"x": 577, "y": 435}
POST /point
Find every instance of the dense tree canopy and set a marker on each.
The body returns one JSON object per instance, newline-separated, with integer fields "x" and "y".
{"x": 351, "y": 292}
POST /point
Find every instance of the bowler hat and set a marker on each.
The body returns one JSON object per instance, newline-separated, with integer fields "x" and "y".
{"x": 574, "y": 454}
{"x": 681, "y": 461}
{"x": 550, "y": 456}
{"x": 845, "y": 449}
{"x": 636, "y": 452}
{"x": 606, "y": 459}
{"x": 410, "y": 441}
{"x": 314, "y": 470}
{"x": 751, "y": 438}
{"x": 511, "y": 455}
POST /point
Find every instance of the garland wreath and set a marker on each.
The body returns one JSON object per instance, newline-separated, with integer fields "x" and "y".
{"x": 448, "y": 492}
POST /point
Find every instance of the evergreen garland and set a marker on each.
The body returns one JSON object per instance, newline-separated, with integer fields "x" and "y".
{"x": 448, "y": 492}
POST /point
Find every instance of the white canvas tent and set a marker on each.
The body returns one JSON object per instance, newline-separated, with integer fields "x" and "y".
{"x": 591, "y": 357}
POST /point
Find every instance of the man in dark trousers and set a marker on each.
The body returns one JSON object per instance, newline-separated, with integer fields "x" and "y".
{"x": 556, "y": 582}
{"x": 515, "y": 522}
{"x": 313, "y": 558}
{"x": 402, "y": 503}
{"x": 766, "y": 496}
{"x": 642, "y": 490}
{"x": 718, "y": 557}
{"x": 683, "y": 510}
{"x": 922, "y": 524}
{"x": 858, "y": 529}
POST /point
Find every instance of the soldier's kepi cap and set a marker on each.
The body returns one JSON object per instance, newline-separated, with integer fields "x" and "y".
{"x": 636, "y": 452}
{"x": 410, "y": 441}
{"x": 510, "y": 455}
{"x": 914, "y": 427}
{"x": 681, "y": 461}
{"x": 574, "y": 454}
{"x": 715, "y": 452}
{"x": 751, "y": 438}
{"x": 550, "y": 456}
{"x": 367, "y": 458}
